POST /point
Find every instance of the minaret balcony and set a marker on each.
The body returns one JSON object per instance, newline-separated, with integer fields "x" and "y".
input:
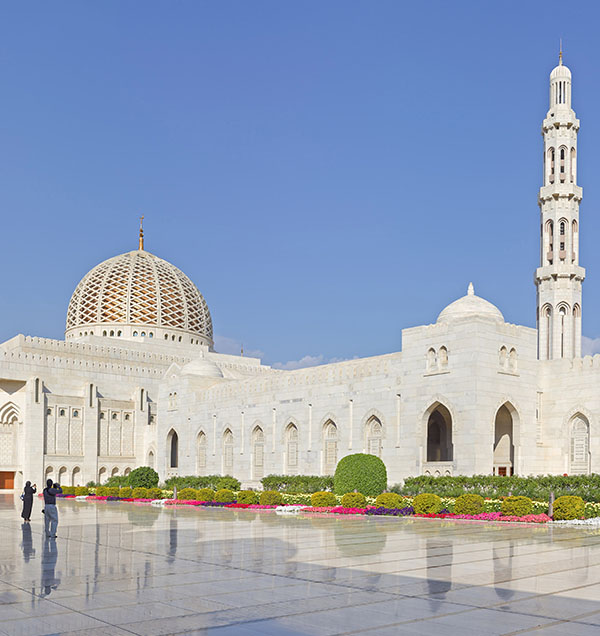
{"x": 557, "y": 190}
{"x": 560, "y": 270}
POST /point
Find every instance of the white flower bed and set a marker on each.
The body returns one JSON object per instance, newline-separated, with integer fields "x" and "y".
{"x": 289, "y": 510}
{"x": 594, "y": 521}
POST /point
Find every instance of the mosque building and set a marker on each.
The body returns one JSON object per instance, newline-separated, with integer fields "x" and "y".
{"x": 136, "y": 380}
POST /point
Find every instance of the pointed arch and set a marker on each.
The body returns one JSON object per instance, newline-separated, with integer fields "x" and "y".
{"x": 227, "y": 451}
{"x": 201, "y": 445}
{"x": 330, "y": 445}
{"x": 438, "y": 432}
{"x": 291, "y": 448}
{"x": 258, "y": 453}
{"x": 504, "y": 449}
{"x": 172, "y": 449}
{"x": 579, "y": 444}
{"x": 9, "y": 413}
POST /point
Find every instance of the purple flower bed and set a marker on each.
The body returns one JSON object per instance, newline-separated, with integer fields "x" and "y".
{"x": 396, "y": 512}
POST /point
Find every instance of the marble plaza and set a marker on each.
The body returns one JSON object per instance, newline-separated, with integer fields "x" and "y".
{"x": 122, "y": 569}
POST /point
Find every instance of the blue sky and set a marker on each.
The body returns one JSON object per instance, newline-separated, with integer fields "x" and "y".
{"x": 327, "y": 173}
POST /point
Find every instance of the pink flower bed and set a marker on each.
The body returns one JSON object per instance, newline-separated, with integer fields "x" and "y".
{"x": 183, "y": 502}
{"x": 340, "y": 510}
{"x": 259, "y": 507}
{"x": 489, "y": 516}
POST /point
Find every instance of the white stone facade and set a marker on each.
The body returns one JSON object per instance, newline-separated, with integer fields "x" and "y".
{"x": 136, "y": 381}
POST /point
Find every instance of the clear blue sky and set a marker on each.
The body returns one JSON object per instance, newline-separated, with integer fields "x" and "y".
{"x": 327, "y": 173}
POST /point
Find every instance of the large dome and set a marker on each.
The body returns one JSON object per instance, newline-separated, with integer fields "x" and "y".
{"x": 138, "y": 295}
{"x": 470, "y": 306}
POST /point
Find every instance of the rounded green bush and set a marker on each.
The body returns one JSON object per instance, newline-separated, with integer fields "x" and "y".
{"x": 469, "y": 504}
{"x": 154, "y": 493}
{"x": 228, "y": 482}
{"x": 102, "y": 491}
{"x": 224, "y": 495}
{"x": 68, "y": 490}
{"x": 518, "y": 506}
{"x": 568, "y": 507}
{"x": 140, "y": 493}
{"x": 388, "y": 500}
{"x": 188, "y": 494}
{"x": 125, "y": 492}
{"x": 205, "y": 494}
{"x": 271, "y": 498}
{"x": 247, "y": 497}
{"x": 323, "y": 499}
{"x": 427, "y": 504}
{"x": 112, "y": 491}
{"x": 143, "y": 477}
{"x": 80, "y": 491}
{"x": 354, "y": 500}
{"x": 361, "y": 472}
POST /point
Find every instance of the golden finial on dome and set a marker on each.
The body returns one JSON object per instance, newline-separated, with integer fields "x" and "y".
{"x": 242, "y": 351}
{"x": 141, "y": 245}
{"x": 560, "y": 53}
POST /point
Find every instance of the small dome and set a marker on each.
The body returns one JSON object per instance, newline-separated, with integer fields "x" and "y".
{"x": 560, "y": 72}
{"x": 203, "y": 367}
{"x": 470, "y": 306}
{"x": 137, "y": 294}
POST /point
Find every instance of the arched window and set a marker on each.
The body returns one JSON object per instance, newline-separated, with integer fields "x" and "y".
{"x": 166, "y": 336}
{"x": 374, "y": 434}
{"x": 547, "y": 316}
{"x": 512, "y": 360}
{"x": 150, "y": 459}
{"x": 201, "y": 452}
{"x": 75, "y": 476}
{"x": 143, "y": 334}
{"x": 579, "y": 445}
{"x": 443, "y": 357}
{"x": 104, "y": 333}
{"x": 562, "y": 314}
{"x": 102, "y": 475}
{"x": 576, "y": 327}
{"x": 258, "y": 453}
{"x": 431, "y": 359}
{"x": 135, "y": 333}
{"x": 119, "y": 333}
{"x": 574, "y": 241}
{"x": 173, "y": 449}
{"x": 563, "y": 156}
{"x": 112, "y": 333}
{"x": 62, "y": 474}
{"x": 61, "y": 412}
{"x": 573, "y": 165}
{"x": 228, "y": 452}
{"x": 551, "y": 165}
{"x": 503, "y": 357}
{"x": 330, "y": 439}
{"x": 550, "y": 242}
{"x": 114, "y": 472}
{"x": 503, "y": 442}
{"x": 291, "y": 444}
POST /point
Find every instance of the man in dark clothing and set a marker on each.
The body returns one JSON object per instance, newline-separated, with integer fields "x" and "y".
{"x": 50, "y": 510}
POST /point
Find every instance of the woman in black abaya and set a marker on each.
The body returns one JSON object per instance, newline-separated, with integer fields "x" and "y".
{"x": 28, "y": 493}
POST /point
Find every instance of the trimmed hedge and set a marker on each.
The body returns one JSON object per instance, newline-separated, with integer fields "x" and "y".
{"x": 535, "y": 487}
{"x": 143, "y": 477}
{"x": 388, "y": 500}
{"x": 224, "y": 495}
{"x": 469, "y": 504}
{"x": 188, "y": 494}
{"x": 361, "y": 472}
{"x": 68, "y": 490}
{"x": 354, "y": 500}
{"x": 297, "y": 484}
{"x": 155, "y": 493}
{"x": 568, "y": 507}
{"x": 518, "y": 506}
{"x": 140, "y": 493}
{"x": 102, "y": 491}
{"x": 112, "y": 491}
{"x": 125, "y": 492}
{"x": 247, "y": 497}
{"x": 205, "y": 494}
{"x": 322, "y": 499}
{"x": 427, "y": 504}
{"x": 270, "y": 498}
{"x": 214, "y": 482}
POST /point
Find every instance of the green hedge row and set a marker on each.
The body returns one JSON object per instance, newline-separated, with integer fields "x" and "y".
{"x": 214, "y": 482}
{"x": 539, "y": 487}
{"x": 295, "y": 484}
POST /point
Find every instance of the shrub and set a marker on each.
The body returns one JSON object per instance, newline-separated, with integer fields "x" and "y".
{"x": 270, "y": 498}
{"x": 206, "y": 494}
{"x": 427, "y": 504}
{"x": 194, "y": 481}
{"x": 388, "y": 500}
{"x": 112, "y": 491}
{"x": 361, "y": 472}
{"x": 125, "y": 492}
{"x": 102, "y": 491}
{"x": 247, "y": 497}
{"x": 224, "y": 496}
{"x": 154, "y": 493}
{"x": 354, "y": 500}
{"x": 294, "y": 484}
{"x": 140, "y": 493}
{"x": 228, "y": 482}
{"x": 568, "y": 507}
{"x": 469, "y": 504}
{"x": 116, "y": 481}
{"x": 143, "y": 477}
{"x": 80, "y": 491}
{"x": 518, "y": 506}
{"x": 68, "y": 490}
{"x": 188, "y": 494}
{"x": 320, "y": 499}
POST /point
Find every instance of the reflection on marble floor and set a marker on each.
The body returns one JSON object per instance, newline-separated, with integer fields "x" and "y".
{"x": 130, "y": 569}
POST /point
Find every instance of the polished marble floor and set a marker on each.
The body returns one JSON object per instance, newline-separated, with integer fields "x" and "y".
{"x": 120, "y": 569}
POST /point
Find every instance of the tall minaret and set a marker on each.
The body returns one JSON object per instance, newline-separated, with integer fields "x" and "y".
{"x": 559, "y": 277}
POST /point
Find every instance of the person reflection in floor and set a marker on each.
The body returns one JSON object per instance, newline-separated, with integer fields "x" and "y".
{"x": 49, "y": 558}
{"x": 27, "y": 542}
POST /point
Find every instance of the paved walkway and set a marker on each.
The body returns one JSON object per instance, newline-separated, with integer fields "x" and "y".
{"x": 123, "y": 569}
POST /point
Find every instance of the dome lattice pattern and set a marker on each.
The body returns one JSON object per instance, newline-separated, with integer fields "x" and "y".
{"x": 138, "y": 288}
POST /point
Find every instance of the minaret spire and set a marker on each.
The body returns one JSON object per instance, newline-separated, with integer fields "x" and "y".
{"x": 560, "y": 53}
{"x": 141, "y": 243}
{"x": 559, "y": 277}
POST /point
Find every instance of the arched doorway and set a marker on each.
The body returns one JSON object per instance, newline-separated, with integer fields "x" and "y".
{"x": 439, "y": 435}
{"x": 102, "y": 475}
{"x": 172, "y": 449}
{"x": 62, "y": 475}
{"x": 291, "y": 447}
{"x": 76, "y": 476}
{"x": 504, "y": 449}
{"x": 330, "y": 443}
{"x": 258, "y": 453}
{"x": 579, "y": 445}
